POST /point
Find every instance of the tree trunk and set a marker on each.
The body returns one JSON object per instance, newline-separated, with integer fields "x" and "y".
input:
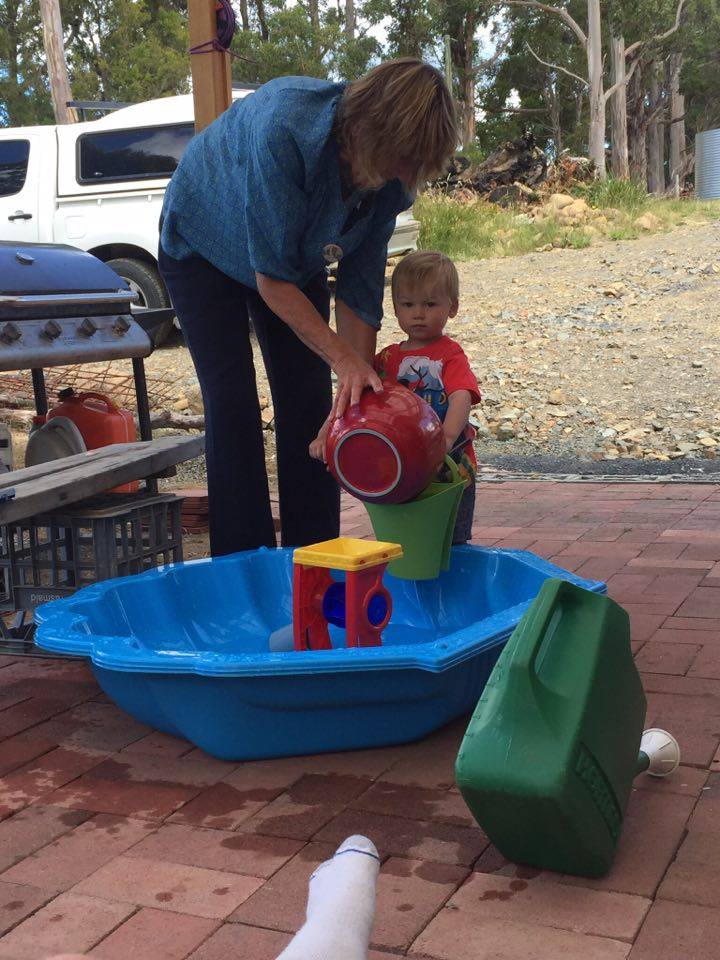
{"x": 656, "y": 134}
{"x": 596, "y": 135}
{"x": 677, "y": 124}
{"x": 244, "y": 15}
{"x": 406, "y": 30}
{"x": 12, "y": 39}
{"x": 468, "y": 80}
{"x": 579, "y": 104}
{"x": 262, "y": 19}
{"x": 314, "y": 14}
{"x": 618, "y": 111}
{"x": 637, "y": 127}
{"x": 57, "y": 64}
{"x": 552, "y": 102}
{"x": 350, "y": 19}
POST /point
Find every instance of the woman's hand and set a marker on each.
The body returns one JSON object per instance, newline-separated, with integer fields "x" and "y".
{"x": 354, "y": 375}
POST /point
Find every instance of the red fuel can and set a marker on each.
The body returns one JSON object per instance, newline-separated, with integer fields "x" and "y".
{"x": 100, "y": 422}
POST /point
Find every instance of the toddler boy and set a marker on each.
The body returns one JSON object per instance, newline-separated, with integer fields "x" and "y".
{"x": 425, "y": 291}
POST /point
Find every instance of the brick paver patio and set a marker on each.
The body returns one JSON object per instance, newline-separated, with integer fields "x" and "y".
{"x": 124, "y": 843}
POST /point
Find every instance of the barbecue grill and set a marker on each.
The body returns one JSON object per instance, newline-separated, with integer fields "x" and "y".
{"x": 60, "y": 305}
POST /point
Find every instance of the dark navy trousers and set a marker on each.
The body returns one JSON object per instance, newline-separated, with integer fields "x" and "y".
{"x": 214, "y": 313}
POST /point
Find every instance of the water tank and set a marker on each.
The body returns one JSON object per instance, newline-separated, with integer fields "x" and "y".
{"x": 707, "y": 165}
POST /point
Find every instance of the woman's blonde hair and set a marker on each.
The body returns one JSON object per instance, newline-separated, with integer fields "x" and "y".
{"x": 400, "y": 110}
{"x": 425, "y": 269}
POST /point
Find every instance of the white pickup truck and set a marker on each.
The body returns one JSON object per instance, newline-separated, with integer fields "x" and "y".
{"x": 99, "y": 185}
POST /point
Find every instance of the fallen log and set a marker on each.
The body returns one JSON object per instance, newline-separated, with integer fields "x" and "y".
{"x": 16, "y": 418}
{"x": 16, "y": 401}
{"x": 181, "y": 421}
{"x": 158, "y": 418}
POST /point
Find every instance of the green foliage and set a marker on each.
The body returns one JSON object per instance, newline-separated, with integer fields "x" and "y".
{"x": 619, "y": 194}
{"x": 462, "y": 231}
{"x": 102, "y": 33}
{"x": 412, "y": 30}
{"x": 295, "y": 48}
{"x": 474, "y": 153}
{"x": 519, "y": 93}
{"x": 478, "y": 230}
{"x": 700, "y": 79}
{"x": 24, "y": 94}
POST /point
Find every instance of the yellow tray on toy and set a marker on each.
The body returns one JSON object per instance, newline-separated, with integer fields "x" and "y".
{"x": 423, "y": 526}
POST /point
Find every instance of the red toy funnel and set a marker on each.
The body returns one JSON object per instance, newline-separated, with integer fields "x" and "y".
{"x": 387, "y": 448}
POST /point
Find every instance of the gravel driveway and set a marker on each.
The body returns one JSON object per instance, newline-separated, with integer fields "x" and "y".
{"x": 603, "y": 354}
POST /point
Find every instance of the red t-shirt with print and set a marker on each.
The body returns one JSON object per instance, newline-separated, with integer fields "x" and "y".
{"x": 434, "y": 372}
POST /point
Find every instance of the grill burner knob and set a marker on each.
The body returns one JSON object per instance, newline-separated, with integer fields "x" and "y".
{"x": 52, "y": 330}
{"x": 88, "y": 327}
{"x": 10, "y": 332}
{"x": 121, "y": 325}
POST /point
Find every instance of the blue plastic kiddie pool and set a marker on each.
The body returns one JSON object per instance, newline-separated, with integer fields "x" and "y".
{"x": 185, "y": 649}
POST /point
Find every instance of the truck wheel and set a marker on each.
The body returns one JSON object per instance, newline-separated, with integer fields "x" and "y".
{"x": 144, "y": 279}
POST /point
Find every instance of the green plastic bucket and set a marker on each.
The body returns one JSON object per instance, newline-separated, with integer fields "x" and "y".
{"x": 423, "y": 526}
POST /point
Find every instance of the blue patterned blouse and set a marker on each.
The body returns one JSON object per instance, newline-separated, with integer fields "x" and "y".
{"x": 260, "y": 190}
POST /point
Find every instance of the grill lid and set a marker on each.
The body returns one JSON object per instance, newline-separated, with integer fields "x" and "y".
{"x": 55, "y": 280}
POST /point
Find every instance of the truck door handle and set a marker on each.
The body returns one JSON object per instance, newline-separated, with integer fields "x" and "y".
{"x": 19, "y": 215}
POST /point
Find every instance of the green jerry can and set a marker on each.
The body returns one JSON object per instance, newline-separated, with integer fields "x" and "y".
{"x": 548, "y": 760}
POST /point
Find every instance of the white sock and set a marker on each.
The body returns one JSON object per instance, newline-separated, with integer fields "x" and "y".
{"x": 341, "y": 906}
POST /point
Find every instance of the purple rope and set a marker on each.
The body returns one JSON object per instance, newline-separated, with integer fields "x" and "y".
{"x": 225, "y": 16}
{"x": 225, "y": 20}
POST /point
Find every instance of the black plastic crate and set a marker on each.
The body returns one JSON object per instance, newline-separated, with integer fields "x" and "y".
{"x": 54, "y": 554}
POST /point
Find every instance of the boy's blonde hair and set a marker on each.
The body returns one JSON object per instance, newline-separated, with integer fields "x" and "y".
{"x": 424, "y": 269}
{"x": 401, "y": 109}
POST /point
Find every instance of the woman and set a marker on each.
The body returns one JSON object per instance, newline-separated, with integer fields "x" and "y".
{"x": 299, "y": 174}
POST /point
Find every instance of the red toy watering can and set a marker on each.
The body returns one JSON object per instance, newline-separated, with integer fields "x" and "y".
{"x": 387, "y": 448}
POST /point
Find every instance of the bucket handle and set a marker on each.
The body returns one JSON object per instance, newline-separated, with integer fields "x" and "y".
{"x": 91, "y": 395}
{"x": 547, "y": 616}
{"x": 453, "y": 468}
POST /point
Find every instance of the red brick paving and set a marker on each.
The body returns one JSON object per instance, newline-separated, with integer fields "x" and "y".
{"x": 545, "y": 902}
{"x": 122, "y": 841}
{"x": 18, "y": 901}
{"x": 678, "y": 930}
{"x": 71, "y": 923}
{"x": 488, "y": 938}
{"x": 239, "y": 941}
{"x": 144, "y": 936}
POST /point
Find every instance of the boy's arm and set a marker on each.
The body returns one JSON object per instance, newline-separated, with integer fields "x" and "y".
{"x": 457, "y": 416}
{"x": 317, "y": 446}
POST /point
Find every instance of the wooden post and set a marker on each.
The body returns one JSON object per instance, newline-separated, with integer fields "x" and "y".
{"x": 212, "y": 86}
{"x": 57, "y": 64}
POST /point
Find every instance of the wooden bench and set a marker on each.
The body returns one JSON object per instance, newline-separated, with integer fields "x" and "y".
{"x": 70, "y": 479}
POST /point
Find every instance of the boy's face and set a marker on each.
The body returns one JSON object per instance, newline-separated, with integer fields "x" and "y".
{"x": 423, "y": 313}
